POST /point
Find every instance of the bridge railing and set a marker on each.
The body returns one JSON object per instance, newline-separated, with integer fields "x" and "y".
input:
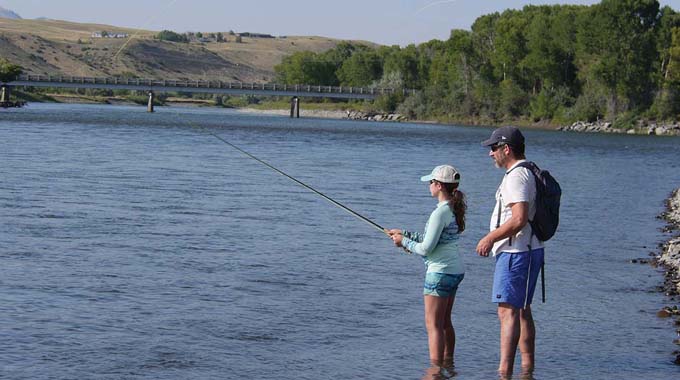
{"x": 209, "y": 84}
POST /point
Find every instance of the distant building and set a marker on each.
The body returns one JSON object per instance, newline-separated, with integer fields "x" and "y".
{"x": 255, "y": 35}
{"x": 105, "y": 34}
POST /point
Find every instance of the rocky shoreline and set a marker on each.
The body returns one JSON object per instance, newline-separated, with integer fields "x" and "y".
{"x": 374, "y": 116}
{"x": 643, "y": 128}
{"x": 332, "y": 114}
{"x": 670, "y": 261}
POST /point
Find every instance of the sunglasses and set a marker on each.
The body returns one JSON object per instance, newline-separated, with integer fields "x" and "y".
{"x": 433, "y": 181}
{"x": 495, "y": 147}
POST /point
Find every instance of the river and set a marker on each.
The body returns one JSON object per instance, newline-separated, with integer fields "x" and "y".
{"x": 139, "y": 246}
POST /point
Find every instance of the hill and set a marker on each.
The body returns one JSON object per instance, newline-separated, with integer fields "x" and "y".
{"x": 6, "y": 13}
{"x": 66, "y": 48}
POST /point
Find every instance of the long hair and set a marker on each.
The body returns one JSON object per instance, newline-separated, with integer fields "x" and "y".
{"x": 457, "y": 204}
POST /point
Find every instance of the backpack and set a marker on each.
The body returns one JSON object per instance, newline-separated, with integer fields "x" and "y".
{"x": 548, "y": 193}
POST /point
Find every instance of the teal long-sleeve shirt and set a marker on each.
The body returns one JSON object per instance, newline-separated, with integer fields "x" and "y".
{"x": 438, "y": 245}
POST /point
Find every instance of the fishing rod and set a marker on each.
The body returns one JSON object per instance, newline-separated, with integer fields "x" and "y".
{"x": 333, "y": 201}
{"x": 326, "y": 197}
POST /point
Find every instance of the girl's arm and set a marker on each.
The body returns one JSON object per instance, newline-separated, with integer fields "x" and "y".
{"x": 429, "y": 239}
{"x": 416, "y": 236}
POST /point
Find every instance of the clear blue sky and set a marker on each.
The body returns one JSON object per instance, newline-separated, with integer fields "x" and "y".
{"x": 382, "y": 21}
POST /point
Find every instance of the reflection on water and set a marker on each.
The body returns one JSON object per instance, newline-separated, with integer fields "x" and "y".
{"x": 135, "y": 246}
{"x": 434, "y": 372}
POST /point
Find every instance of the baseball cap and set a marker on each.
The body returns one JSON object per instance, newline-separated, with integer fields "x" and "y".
{"x": 443, "y": 173}
{"x": 508, "y": 135}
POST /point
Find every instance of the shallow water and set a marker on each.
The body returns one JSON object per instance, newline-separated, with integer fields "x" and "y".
{"x": 138, "y": 246}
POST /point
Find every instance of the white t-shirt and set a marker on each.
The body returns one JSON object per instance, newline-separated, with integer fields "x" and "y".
{"x": 518, "y": 185}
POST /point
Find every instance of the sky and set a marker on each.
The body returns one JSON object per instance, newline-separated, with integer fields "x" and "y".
{"x": 388, "y": 22}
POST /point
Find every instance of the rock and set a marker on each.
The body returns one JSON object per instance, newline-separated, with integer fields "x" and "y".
{"x": 663, "y": 313}
{"x": 640, "y": 261}
{"x": 642, "y": 127}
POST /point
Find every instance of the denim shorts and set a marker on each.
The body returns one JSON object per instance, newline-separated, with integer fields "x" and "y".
{"x": 515, "y": 277}
{"x": 442, "y": 284}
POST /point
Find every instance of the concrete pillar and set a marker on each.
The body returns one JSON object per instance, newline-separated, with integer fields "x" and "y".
{"x": 149, "y": 107}
{"x": 295, "y": 107}
{"x": 4, "y": 94}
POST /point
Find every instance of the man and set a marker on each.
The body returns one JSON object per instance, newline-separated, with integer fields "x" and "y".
{"x": 518, "y": 253}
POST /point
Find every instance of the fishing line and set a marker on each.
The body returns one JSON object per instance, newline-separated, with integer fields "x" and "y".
{"x": 137, "y": 33}
{"x": 326, "y": 197}
{"x": 310, "y": 188}
{"x": 433, "y": 4}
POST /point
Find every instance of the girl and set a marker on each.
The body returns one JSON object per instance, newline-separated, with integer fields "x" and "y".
{"x": 438, "y": 248}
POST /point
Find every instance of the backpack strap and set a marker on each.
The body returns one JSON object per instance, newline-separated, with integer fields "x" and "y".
{"x": 498, "y": 223}
{"x": 527, "y": 165}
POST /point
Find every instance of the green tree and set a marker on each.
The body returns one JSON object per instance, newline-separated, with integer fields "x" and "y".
{"x": 361, "y": 69}
{"x": 392, "y": 80}
{"x": 306, "y": 68}
{"x": 509, "y": 46}
{"x": 618, "y": 46}
{"x": 403, "y": 61}
{"x": 668, "y": 20}
{"x": 169, "y": 35}
{"x": 667, "y": 102}
{"x": 9, "y": 71}
{"x": 549, "y": 60}
{"x": 484, "y": 41}
{"x": 513, "y": 100}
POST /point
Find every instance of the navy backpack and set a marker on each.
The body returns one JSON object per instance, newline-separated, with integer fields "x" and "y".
{"x": 548, "y": 194}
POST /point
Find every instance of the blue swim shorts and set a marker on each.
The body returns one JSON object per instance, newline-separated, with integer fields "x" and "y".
{"x": 442, "y": 284}
{"x": 515, "y": 277}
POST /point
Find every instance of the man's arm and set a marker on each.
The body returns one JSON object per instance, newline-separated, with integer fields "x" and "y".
{"x": 519, "y": 218}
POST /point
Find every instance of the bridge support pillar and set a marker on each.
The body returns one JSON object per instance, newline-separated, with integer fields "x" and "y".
{"x": 149, "y": 107}
{"x": 4, "y": 94}
{"x": 295, "y": 107}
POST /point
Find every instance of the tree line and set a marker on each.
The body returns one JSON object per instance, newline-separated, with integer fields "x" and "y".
{"x": 617, "y": 60}
{"x": 169, "y": 35}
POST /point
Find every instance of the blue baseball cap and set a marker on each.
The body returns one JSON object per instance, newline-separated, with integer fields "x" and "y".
{"x": 506, "y": 135}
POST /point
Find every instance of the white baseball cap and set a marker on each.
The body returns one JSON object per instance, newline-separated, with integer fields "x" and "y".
{"x": 443, "y": 173}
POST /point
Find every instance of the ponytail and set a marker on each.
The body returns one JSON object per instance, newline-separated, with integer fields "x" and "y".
{"x": 457, "y": 204}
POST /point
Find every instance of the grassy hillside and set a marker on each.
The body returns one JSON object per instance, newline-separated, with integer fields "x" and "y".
{"x": 67, "y": 48}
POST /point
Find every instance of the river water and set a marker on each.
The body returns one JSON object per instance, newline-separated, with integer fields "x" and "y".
{"x": 139, "y": 246}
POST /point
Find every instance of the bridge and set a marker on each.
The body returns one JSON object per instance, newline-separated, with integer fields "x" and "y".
{"x": 152, "y": 86}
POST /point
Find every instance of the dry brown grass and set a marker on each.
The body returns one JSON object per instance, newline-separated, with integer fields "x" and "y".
{"x": 66, "y": 48}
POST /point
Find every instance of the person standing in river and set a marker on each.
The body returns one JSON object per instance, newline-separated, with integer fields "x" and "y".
{"x": 439, "y": 249}
{"x": 518, "y": 253}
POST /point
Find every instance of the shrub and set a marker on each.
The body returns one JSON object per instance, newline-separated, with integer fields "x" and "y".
{"x": 169, "y": 35}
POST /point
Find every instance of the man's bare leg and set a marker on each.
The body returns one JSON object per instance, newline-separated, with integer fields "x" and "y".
{"x": 527, "y": 338}
{"x": 508, "y": 316}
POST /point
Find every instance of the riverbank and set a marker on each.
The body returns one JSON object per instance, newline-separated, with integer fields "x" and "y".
{"x": 314, "y": 110}
{"x": 642, "y": 128}
{"x": 326, "y": 114}
{"x": 331, "y": 114}
{"x": 359, "y": 111}
{"x": 670, "y": 261}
